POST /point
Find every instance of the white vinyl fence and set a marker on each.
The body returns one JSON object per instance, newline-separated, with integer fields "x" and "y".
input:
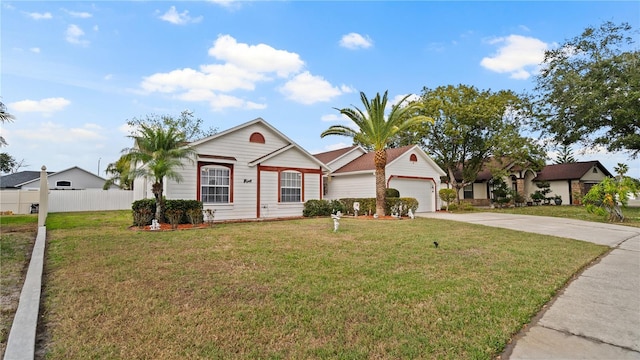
{"x": 19, "y": 201}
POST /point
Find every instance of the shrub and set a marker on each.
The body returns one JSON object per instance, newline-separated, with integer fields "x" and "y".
{"x": 400, "y": 206}
{"x": 316, "y": 208}
{"x": 195, "y": 216}
{"x": 143, "y": 211}
{"x": 174, "y": 216}
{"x": 391, "y": 193}
{"x": 367, "y": 205}
{"x": 322, "y": 208}
{"x": 448, "y": 196}
{"x": 184, "y": 206}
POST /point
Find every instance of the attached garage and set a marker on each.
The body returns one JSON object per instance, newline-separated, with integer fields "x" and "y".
{"x": 422, "y": 189}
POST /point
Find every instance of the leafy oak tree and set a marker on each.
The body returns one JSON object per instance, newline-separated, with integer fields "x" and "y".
{"x": 375, "y": 129}
{"x": 186, "y": 122}
{"x": 588, "y": 90}
{"x": 470, "y": 128}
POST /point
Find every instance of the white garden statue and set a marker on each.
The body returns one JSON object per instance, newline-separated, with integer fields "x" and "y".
{"x": 336, "y": 220}
{"x": 155, "y": 225}
{"x": 411, "y": 214}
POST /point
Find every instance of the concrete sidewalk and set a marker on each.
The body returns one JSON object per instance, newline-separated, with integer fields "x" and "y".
{"x": 597, "y": 316}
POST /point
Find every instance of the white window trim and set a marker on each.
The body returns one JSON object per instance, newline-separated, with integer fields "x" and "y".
{"x": 202, "y": 185}
{"x": 280, "y": 187}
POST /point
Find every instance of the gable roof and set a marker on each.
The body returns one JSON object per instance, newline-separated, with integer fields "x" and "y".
{"x": 569, "y": 171}
{"x": 291, "y": 144}
{"x": 329, "y": 156}
{"x": 17, "y": 179}
{"x": 366, "y": 161}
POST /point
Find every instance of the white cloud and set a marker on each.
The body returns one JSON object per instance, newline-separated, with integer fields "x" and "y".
{"x": 45, "y": 106}
{"x": 308, "y": 89}
{"x": 518, "y": 55}
{"x": 58, "y": 133}
{"x": 229, "y": 4}
{"x": 74, "y": 35}
{"x": 174, "y": 17}
{"x": 258, "y": 58}
{"x": 335, "y": 118}
{"x": 108, "y": 77}
{"x": 78, "y": 14}
{"x": 219, "y": 102}
{"x": 397, "y": 98}
{"x": 35, "y": 50}
{"x": 356, "y": 41}
{"x": 40, "y": 16}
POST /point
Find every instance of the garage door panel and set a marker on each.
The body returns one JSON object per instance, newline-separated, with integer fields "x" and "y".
{"x": 418, "y": 189}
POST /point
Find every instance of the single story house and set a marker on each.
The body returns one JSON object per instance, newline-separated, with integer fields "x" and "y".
{"x": 253, "y": 171}
{"x": 566, "y": 180}
{"x": 73, "y": 178}
{"x": 409, "y": 170}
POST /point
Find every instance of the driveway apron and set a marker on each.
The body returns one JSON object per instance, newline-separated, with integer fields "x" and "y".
{"x": 597, "y": 316}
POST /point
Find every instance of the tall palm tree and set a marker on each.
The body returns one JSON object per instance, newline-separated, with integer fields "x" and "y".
{"x": 156, "y": 153}
{"x": 376, "y": 130}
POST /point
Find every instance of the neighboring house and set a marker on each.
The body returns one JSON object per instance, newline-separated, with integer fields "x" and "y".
{"x": 409, "y": 170}
{"x": 565, "y": 180}
{"x": 251, "y": 171}
{"x": 568, "y": 180}
{"x": 480, "y": 193}
{"x": 73, "y": 178}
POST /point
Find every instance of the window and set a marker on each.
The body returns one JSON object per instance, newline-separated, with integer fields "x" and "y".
{"x": 290, "y": 186}
{"x": 214, "y": 185}
{"x": 256, "y": 137}
{"x": 413, "y": 158}
{"x": 595, "y": 170}
{"x": 61, "y": 183}
{"x": 468, "y": 191}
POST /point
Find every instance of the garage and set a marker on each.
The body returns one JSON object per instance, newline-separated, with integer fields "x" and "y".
{"x": 422, "y": 189}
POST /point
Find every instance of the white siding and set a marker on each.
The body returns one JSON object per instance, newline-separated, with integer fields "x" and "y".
{"x": 593, "y": 177}
{"x": 80, "y": 179}
{"x": 235, "y": 149}
{"x": 420, "y": 170}
{"x": 351, "y": 186}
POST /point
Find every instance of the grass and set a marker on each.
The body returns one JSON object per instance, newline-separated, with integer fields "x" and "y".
{"x": 17, "y": 236}
{"x": 296, "y": 290}
{"x": 632, "y": 214}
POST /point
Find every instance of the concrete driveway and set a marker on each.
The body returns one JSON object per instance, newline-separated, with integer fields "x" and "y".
{"x": 597, "y": 316}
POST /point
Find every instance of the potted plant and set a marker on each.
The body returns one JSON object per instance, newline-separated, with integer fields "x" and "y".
{"x": 537, "y": 197}
{"x": 558, "y": 200}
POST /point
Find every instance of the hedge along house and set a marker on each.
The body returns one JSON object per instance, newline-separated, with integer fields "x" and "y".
{"x": 251, "y": 171}
{"x": 409, "y": 170}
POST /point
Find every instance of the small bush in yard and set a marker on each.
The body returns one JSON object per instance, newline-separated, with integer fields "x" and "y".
{"x": 143, "y": 211}
{"x": 174, "y": 216}
{"x": 195, "y": 216}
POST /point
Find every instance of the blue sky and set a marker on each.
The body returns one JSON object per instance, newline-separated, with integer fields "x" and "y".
{"x": 72, "y": 73}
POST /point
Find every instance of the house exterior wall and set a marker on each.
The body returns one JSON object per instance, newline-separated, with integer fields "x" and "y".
{"x": 593, "y": 177}
{"x": 404, "y": 174}
{"x": 351, "y": 186}
{"x": 79, "y": 179}
{"x": 254, "y": 184}
{"x": 562, "y": 188}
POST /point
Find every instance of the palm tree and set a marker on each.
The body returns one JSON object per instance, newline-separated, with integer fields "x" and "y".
{"x": 375, "y": 130}
{"x": 121, "y": 175}
{"x": 158, "y": 152}
{"x": 4, "y": 117}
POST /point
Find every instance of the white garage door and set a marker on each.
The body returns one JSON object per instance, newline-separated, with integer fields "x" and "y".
{"x": 416, "y": 188}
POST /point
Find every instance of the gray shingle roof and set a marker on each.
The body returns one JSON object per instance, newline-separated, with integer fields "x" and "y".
{"x": 16, "y": 179}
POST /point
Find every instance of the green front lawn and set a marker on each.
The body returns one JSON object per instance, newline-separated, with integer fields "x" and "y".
{"x": 295, "y": 289}
{"x": 17, "y": 236}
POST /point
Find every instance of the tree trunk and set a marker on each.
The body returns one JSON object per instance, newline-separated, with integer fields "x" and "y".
{"x": 156, "y": 189}
{"x": 454, "y": 185}
{"x": 380, "y": 161}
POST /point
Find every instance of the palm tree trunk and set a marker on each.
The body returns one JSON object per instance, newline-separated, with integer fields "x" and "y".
{"x": 156, "y": 189}
{"x": 380, "y": 160}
